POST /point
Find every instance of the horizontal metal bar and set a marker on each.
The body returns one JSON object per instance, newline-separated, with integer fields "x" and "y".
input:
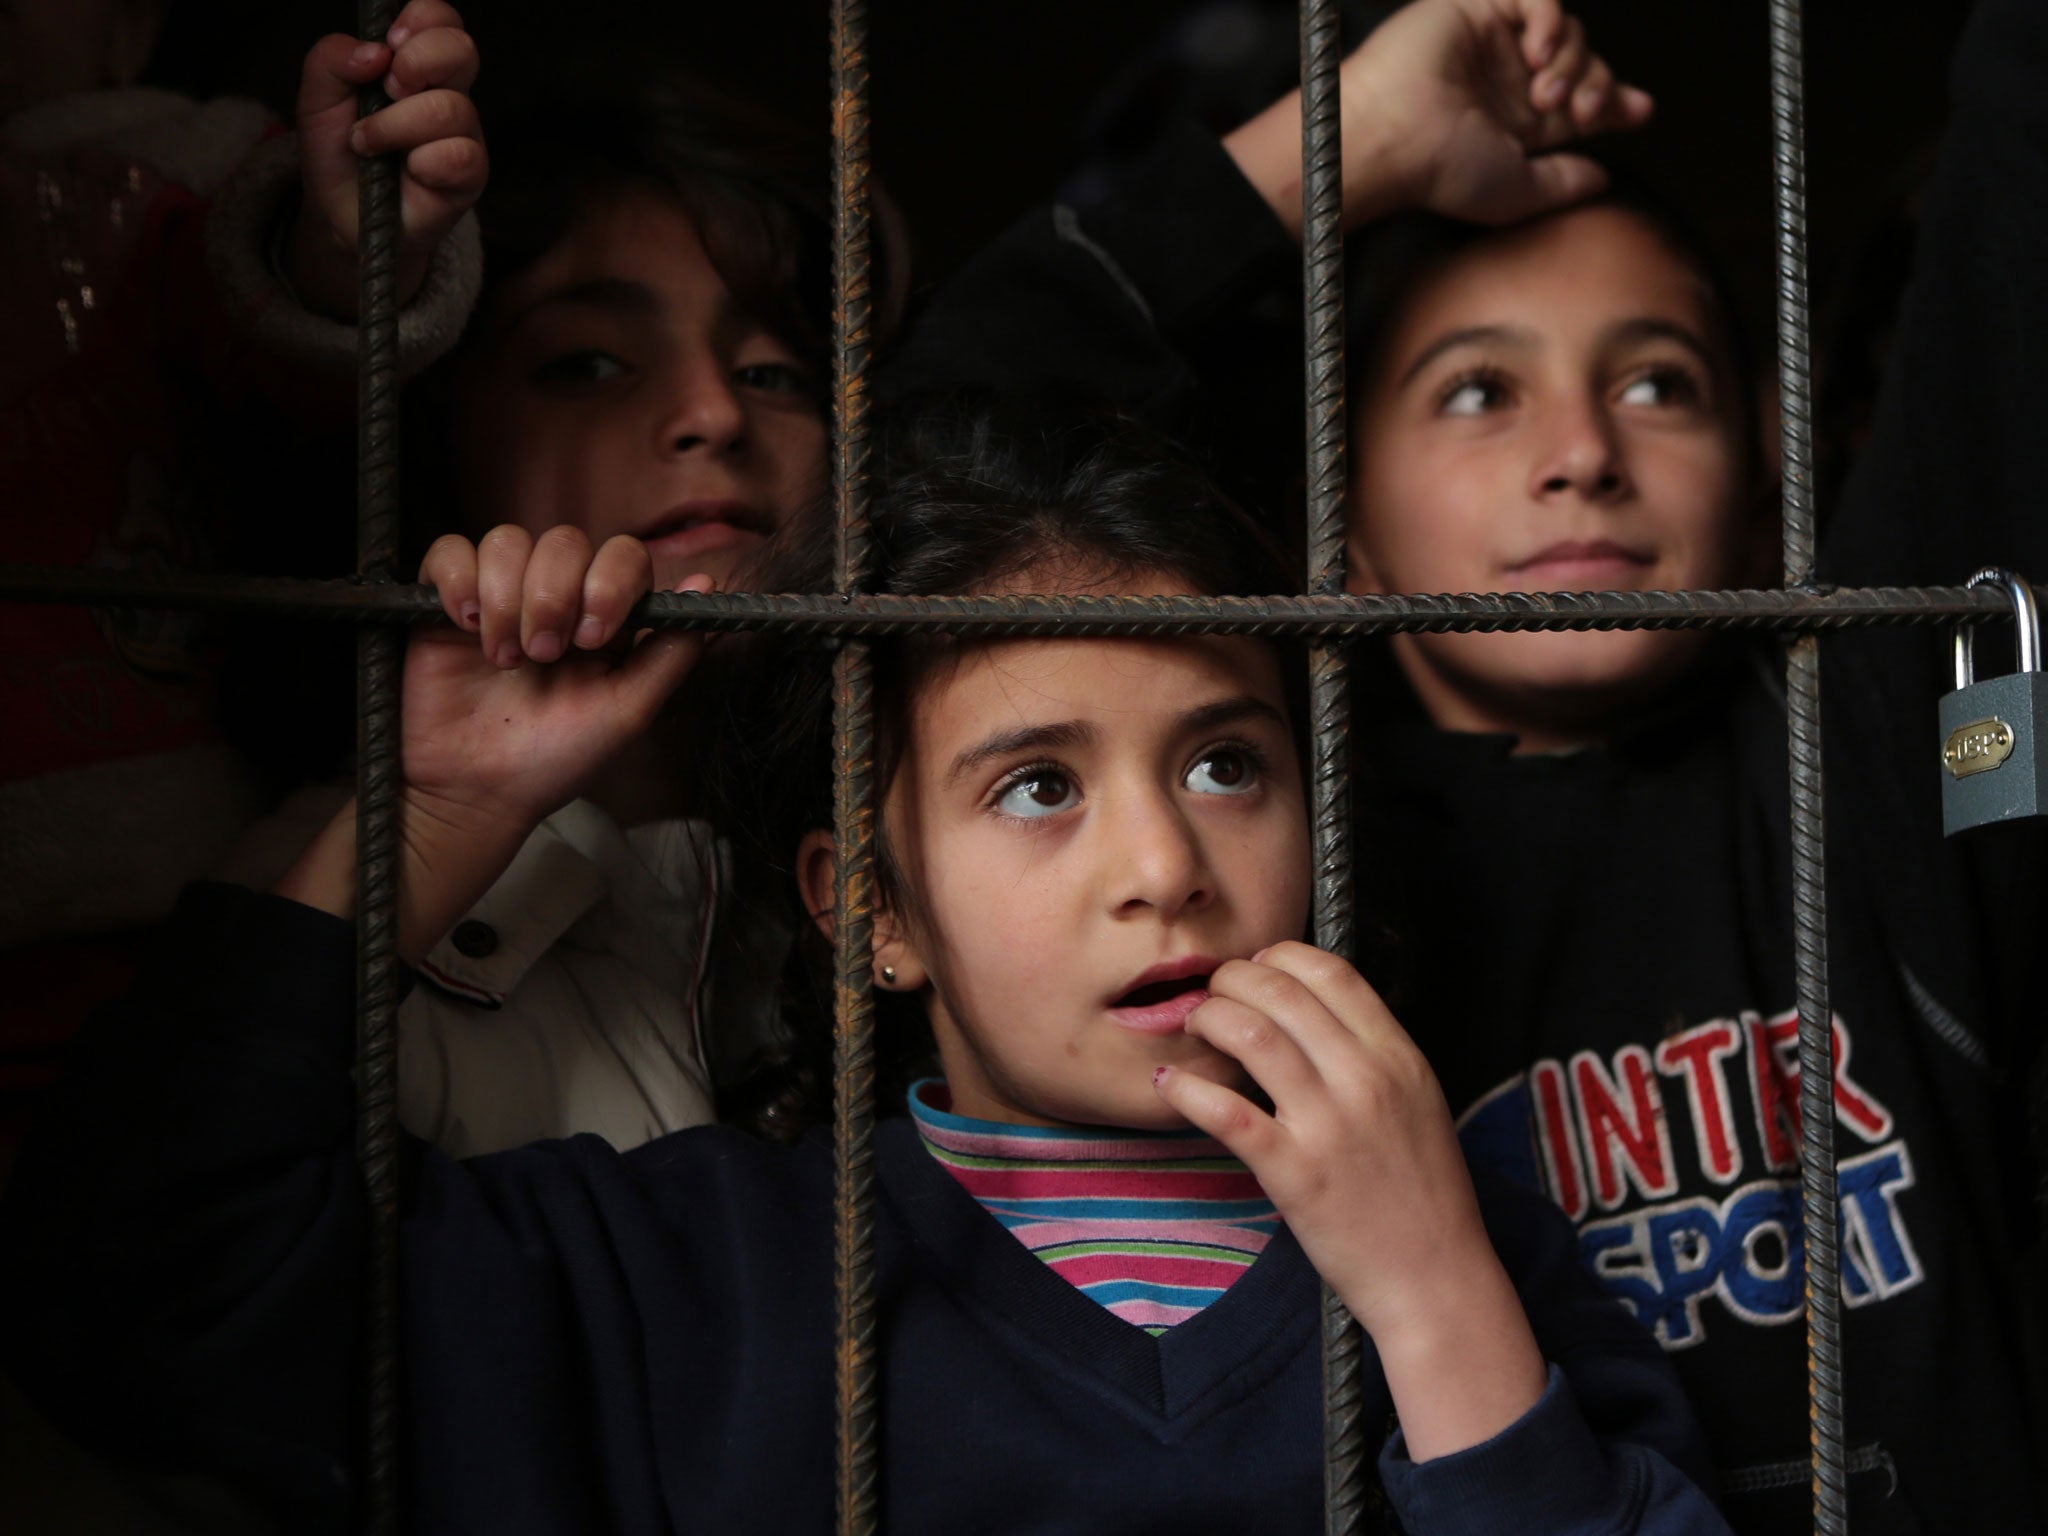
{"x": 1787, "y": 611}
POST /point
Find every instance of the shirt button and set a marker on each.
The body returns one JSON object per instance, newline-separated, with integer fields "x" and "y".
{"x": 475, "y": 938}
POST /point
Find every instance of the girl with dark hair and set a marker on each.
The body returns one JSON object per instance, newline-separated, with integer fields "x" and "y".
{"x": 1583, "y": 836}
{"x": 1161, "y": 1119}
{"x": 640, "y": 391}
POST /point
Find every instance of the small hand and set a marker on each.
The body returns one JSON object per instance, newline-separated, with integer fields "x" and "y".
{"x": 1458, "y": 106}
{"x": 505, "y": 715}
{"x": 1359, "y": 1154}
{"x": 428, "y": 63}
{"x": 536, "y": 688}
{"x": 1479, "y": 95}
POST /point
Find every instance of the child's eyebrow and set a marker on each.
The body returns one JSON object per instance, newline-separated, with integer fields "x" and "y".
{"x": 1026, "y": 738}
{"x": 1656, "y": 328}
{"x": 1469, "y": 336}
{"x": 614, "y": 294}
{"x": 1229, "y": 712}
{"x": 1073, "y": 733}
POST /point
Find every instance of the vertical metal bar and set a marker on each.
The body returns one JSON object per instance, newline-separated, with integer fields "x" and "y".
{"x": 852, "y": 792}
{"x": 1322, "y": 240}
{"x": 380, "y": 651}
{"x": 1809, "y": 869}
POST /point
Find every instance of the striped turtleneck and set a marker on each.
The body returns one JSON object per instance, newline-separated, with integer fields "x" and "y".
{"x": 1154, "y": 1225}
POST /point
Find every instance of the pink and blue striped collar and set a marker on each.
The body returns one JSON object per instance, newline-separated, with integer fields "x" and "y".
{"x": 1153, "y": 1225}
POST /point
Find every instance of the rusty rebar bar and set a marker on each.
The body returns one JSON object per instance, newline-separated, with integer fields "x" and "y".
{"x": 1346, "y": 1462}
{"x": 1786, "y": 610}
{"x": 1805, "y": 767}
{"x": 380, "y": 655}
{"x": 853, "y": 1053}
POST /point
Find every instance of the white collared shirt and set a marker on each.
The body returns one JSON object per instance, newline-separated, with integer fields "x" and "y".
{"x": 569, "y": 998}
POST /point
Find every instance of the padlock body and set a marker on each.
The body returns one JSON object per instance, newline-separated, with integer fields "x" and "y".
{"x": 1992, "y": 766}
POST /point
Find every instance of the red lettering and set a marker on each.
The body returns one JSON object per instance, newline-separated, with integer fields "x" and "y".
{"x": 1696, "y": 1055}
{"x": 1774, "y": 1052}
{"x": 1626, "y": 1137}
{"x": 1558, "y": 1138}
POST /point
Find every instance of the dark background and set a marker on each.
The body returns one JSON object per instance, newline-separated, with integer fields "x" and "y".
{"x": 981, "y": 107}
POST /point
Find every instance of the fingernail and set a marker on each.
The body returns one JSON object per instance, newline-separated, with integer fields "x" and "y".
{"x": 397, "y": 35}
{"x": 469, "y": 615}
{"x": 589, "y": 631}
{"x": 697, "y": 583}
{"x": 391, "y": 85}
{"x": 507, "y": 654}
{"x": 355, "y": 139}
{"x": 1159, "y": 1075}
{"x": 363, "y": 54}
{"x": 545, "y": 646}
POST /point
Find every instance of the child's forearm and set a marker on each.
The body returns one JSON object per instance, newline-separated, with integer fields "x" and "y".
{"x": 447, "y": 860}
{"x": 1268, "y": 153}
{"x": 1465, "y": 1365}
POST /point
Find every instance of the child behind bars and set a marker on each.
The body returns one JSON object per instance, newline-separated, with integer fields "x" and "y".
{"x": 1094, "y": 884}
{"x": 643, "y": 378}
{"x": 1584, "y": 836}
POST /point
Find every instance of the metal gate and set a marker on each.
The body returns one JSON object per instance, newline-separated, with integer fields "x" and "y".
{"x": 382, "y": 607}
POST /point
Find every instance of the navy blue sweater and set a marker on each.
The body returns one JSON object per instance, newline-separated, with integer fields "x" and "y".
{"x": 641, "y": 1342}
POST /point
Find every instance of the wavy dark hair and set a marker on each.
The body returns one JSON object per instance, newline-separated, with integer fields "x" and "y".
{"x": 971, "y": 493}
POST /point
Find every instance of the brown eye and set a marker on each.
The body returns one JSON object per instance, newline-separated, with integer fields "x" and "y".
{"x": 1475, "y": 392}
{"x": 1663, "y": 386}
{"x": 582, "y": 369}
{"x": 1224, "y": 771}
{"x": 774, "y": 378}
{"x": 1037, "y": 792}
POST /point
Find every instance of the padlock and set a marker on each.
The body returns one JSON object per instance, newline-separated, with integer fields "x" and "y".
{"x": 1991, "y": 759}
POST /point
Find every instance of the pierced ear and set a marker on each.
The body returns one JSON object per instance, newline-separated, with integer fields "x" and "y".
{"x": 899, "y": 967}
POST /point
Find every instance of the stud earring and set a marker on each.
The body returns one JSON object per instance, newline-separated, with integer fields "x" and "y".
{"x": 888, "y": 975}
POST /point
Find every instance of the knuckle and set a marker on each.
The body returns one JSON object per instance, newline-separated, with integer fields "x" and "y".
{"x": 603, "y": 595}
{"x": 460, "y": 159}
{"x": 1276, "y": 989}
{"x": 1255, "y": 1033}
{"x": 1323, "y": 970}
{"x": 564, "y": 539}
{"x": 629, "y": 551}
{"x": 445, "y": 113}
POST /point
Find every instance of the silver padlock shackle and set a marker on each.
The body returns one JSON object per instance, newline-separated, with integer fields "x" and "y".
{"x": 2025, "y": 611}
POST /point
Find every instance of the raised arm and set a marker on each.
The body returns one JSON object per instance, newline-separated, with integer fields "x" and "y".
{"x": 428, "y": 64}
{"x": 1463, "y": 107}
{"x": 1163, "y": 291}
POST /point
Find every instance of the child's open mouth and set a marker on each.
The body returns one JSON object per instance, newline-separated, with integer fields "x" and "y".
{"x": 1160, "y": 1007}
